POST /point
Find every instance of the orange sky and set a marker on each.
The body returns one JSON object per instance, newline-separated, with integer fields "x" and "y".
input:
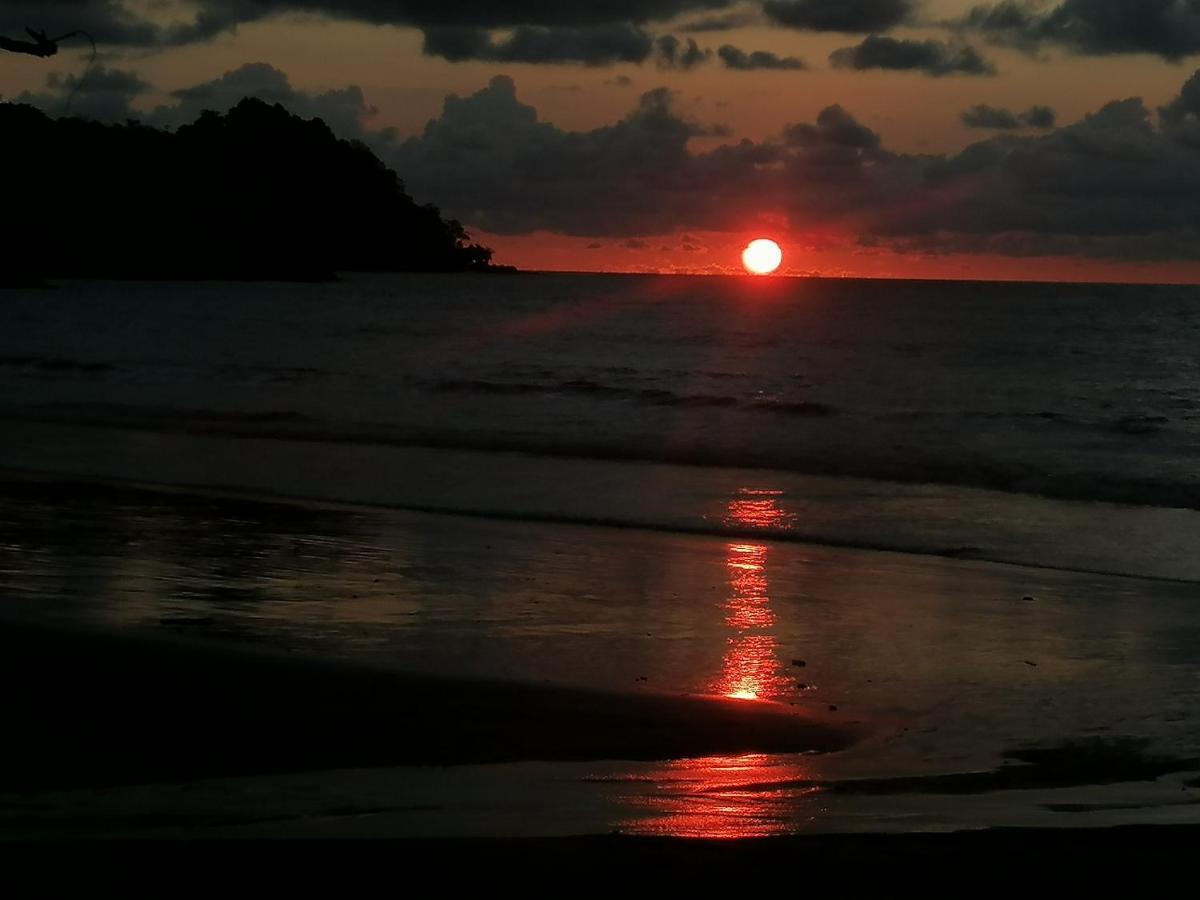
{"x": 721, "y": 255}
{"x": 912, "y": 113}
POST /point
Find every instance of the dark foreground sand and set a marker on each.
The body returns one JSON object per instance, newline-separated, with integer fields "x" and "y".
{"x": 89, "y": 709}
{"x": 995, "y": 862}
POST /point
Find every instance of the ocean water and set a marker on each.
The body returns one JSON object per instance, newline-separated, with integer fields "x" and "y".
{"x": 930, "y": 416}
{"x": 645, "y": 484}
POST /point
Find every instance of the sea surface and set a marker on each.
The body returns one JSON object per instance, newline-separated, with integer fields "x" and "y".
{"x": 909, "y": 415}
{"x": 1080, "y": 392}
{"x": 966, "y": 514}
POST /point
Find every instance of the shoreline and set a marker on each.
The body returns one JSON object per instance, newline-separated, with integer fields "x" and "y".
{"x": 963, "y": 524}
{"x": 209, "y": 638}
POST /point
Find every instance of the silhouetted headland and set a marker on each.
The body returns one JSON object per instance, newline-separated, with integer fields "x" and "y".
{"x": 255, "y": 193}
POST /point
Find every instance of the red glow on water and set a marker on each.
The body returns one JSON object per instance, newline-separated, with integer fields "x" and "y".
{"x": 728, "y": 797}
{"x": 748, "y": 606}
{"x": 751, "y": 669}
{"x": 722, "y": 797}
{"x": 756, "y": 509}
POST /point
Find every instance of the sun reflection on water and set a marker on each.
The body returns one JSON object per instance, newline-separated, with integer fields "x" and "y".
{"x": 753, "y": 795}
{"x": 721, "y": 797}
{"x": 751, "y": 669}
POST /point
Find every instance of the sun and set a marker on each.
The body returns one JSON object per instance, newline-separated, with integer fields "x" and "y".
{"x": 762, "y": 256}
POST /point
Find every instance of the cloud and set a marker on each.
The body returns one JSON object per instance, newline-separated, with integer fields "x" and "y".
{"x": 488, "y": 158}
{"x": 597, "y": 45}
{"x": 1181, "y": 117}
{"x": 1166, "y": 28}
{"x": 122, "y": 22}
{"x": 834, "y": 128}
{"x": 345, "y": 110}
{"x": 108, "y": 21}
{"x": 935, "y": 58}
{"x": 487, "y": 14}
{"x": 1116, "y": 184}
{"x": 1039, "y": 117}
{"x": 1120, "y": 183}
{"x": 105, "y": 94}
{"x": 1001, "y": 119}
{"x": 733, "y": 58}
{"x": 853, "y": 16}
{"x": 984, "y": 116}
{"x": 1109, "y": 185}
{"x": 738, "y": 18}
{"x": 676, "y": 54}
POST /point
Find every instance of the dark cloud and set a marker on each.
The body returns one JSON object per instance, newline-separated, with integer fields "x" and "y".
{"x": 1166, "y": 28}
{"x": 345, "y": 110}
{"x": 1039, "y": 117}
{"x": 834, "y": 128}
{"x": 1114, "y": 184}
{"x": 984, "y": 116}
{"x": 489, "y": 159}
{"x": 676, "y": 54}
{"x": 1000, "y": 119}
{"x": 1181, "y": 117}
{"x": 1108, "y": 185}
{"x": 936, "y": 58}
{"x": 634, "y": 244}
{"x": 853, "y": 16}
{"x": 482, "y": 13}
{"x": 108, "y": 21}
{"x": 597, "y": 45}
{"x": 733, "y": 58}
{"x": 738, "y": 18}
{"x": 105, "y": 94}
{"x": 120, "y": 22}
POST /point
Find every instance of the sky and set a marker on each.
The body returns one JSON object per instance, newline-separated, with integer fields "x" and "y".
{"x": 1049, "y": 139}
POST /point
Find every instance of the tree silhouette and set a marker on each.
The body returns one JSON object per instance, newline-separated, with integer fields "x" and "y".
{"x": 253, "y": 193}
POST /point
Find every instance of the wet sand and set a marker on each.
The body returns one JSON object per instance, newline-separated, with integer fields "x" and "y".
{"x": 89, "y": 708}
{"x": 289, "y": 669}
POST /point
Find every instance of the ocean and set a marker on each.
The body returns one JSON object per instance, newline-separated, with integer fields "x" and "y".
{"x": 925, "y": 416}
{"x": 963, "y": 513}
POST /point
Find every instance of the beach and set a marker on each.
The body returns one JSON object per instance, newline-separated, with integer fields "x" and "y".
{"x": 306, "y": 689}
{"x": 277, "y": 591}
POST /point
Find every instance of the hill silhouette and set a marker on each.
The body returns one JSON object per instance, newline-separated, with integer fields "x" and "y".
{"x": 253, "y": 193}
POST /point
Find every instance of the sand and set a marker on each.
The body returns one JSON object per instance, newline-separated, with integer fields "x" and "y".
{"x": 94, "y": 708}
{"x": 186, "y": 664}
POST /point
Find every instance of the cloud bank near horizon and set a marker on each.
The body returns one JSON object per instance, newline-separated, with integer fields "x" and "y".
{"x": 1122, "y": 183}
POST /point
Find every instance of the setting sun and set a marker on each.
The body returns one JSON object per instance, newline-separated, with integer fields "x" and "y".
{"x": 762, "y": 257}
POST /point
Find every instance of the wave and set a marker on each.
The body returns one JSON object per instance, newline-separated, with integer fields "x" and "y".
{"x": 648, "y": 396}
{"x": 980, "y": 473}
{"x": 722, "y": 529}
